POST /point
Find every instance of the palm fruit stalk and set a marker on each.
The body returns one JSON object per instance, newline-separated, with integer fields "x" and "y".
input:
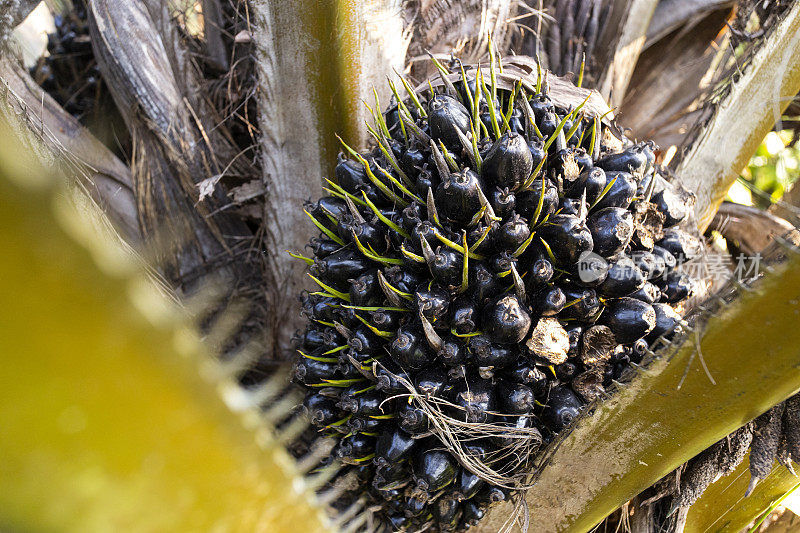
{"x": 490, "y": 266}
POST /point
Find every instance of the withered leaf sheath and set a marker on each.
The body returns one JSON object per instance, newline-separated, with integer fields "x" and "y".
{"x": 507, "y": 286}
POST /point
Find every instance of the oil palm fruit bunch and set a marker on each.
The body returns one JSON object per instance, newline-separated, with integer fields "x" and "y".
{"x": 489, "y": 267}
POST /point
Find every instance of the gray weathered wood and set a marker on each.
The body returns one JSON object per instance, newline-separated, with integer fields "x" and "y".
{"x": 715, "y": 153}
{"x": 98, "y": 171}
{"x": 316, "y": 62}
{"x": 671, "y": 15}
{"x": 192, "y": 242}
{"x": 623, "y": 46}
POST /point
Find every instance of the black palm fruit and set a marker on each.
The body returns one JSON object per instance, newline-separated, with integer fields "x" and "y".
{"x": 365, "y": 290}
{"x": 633, "y": 160}
{"x": 447, "y": 265}
{"x": 666, "y": 321}
{"x": 365, "y": 424}
{"x": 323, "y": 247}
{"x": 515, "y": 398}
{"x": 680, "y": 244}
{"x": 482, "y": 236}
{"x": 364, "y": 341}
{"x": 466, "y": 485}
{"x": 413, "y": 420}
{"x": 503, "y": 201}
{"x": 623, "y": 278}
{"x": 562, "y": 407}
{"x": 446, "y": 511}
{"x": 672, "y": 206}
{"x": 647, "y": 293}
{"x": 310, "y": 371}
{"x": 393, "y": 446}
{"x": 541, "y": 104}
{"x": 612, "y": 229}
{"x": 513, "y": 233}
{"x": 516, "y": 121}
{"x": 575, "y": 332}
{"x": 536, "y": 148}
{"x": 568, "y": 237}
{"x": 483, "y": 283}
{"x": 363, "y": 403}
{"x": 651, "y": 265}
{"x": 592, "y": 181}
{"x": 528, "y": 200}
{"x": 390, "y": 379}
{"x": 384, "y": 320}
{"x": 581, "y": 302}
{"x": 452, "y": 353}
{"x": 412, "y": 161}
{"x": 433, "y": 470}
{"x": 458, "y": 196}
{"x": 629, "y": 319}
{"x": 664, "y": 255}
{"x": 432, "y": 301}
{"x": 320, "y": 307}
{"x": 431, "y": 381}
{"x": 621, "y": 190}
{"x": 463, "y": 315}
{"x": 328, "y": 210}
{"x": 501, "y": 263}
{"x": 506, "y": 321}
{"x": 341, "y": 266}
{"x": 548, "y": 123}
{"x": 566, "y": 371}
{"x": 320, "y": 410}
{"x": 320, "y": 338}
{"x": 509, "y": 161}
{"x": 487, "y": 354}
{"x": 676, "y": 287}
{"x": 539, "y": 274}
{"x": 567, "y": 278}
{"x": 569, "y": 206}
{"x": 354, "y": 449}
{"x": 415, "y": 506}
{"x": 485, "y": 115}
{"x": 402, "y": 279}
{"x": 548, "y": 301}
{"x": 411, "y": 216}
{"x": 425, "y": 180}
{"x": 446, "y": 118}
{"x": 409, "y": 349}
{"x": 352, "y": 177}
{"x": 475, "y": 398}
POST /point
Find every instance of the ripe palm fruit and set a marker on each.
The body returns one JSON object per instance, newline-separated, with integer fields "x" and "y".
{"x": 629, "y": 319}
{"x": 494, "y": 285}
{"x": 434, "y": 470}
{"x": 447, "y": 118}
{"x": 621, "y": 190}
{"x": 562, "y": 407}
{"x": 612, "y": 229}
{"x": 458, "y": 196}
{"x": 568, "y": 237}
{"x": 509, "y": 161}
{"x": 393, "y": 447}
{"x": 633, "y": 160}
{"x": 506, "y": 321}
